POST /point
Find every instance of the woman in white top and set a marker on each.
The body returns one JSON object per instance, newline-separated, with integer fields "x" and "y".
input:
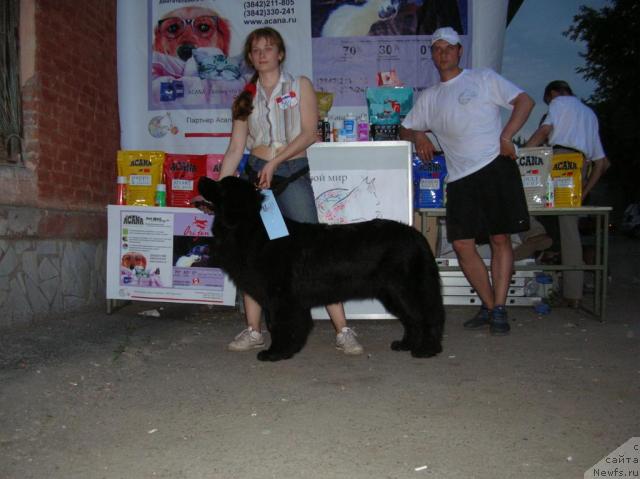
{"x": 275, "y": 118}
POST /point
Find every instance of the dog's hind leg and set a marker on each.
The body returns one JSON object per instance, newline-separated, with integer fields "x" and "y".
{"x": 422, "y": 315}
{"x": 290, "y": 326}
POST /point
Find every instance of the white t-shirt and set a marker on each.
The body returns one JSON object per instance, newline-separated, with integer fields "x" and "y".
{"x": 464, "y": 115}
{"x": 575, "y": 126}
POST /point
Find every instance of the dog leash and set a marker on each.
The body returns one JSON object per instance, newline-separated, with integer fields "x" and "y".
{"x": 278, "y": 183}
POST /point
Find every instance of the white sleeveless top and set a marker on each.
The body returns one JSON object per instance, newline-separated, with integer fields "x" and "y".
{"x": 275, "y": 121}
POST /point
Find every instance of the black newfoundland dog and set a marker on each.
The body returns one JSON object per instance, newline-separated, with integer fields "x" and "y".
{"x": 321, "y": 264}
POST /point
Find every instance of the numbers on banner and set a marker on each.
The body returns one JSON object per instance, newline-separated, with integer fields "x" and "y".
{"x": 425, "y": 51}
{"x": 349, "y": 50}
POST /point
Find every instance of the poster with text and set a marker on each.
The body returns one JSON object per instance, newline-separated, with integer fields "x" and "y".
{"x": 356, "y": 43}
{"x": 181, "y": 64}
{"x": 164, "y": 254}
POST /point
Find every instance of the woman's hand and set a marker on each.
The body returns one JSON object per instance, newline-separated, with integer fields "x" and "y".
{"x": 266, "y": 175}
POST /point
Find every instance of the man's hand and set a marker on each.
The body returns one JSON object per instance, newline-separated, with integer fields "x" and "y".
{"x": 507, "y": 148}
{"x": 424, "y": 147}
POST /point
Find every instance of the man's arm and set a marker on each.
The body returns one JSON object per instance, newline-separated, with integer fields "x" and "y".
{"x": 424, "y": 147}
{"x": 540, "y": 136}
{"x": 522, "y": 106}
{"x": 599, "y": 167}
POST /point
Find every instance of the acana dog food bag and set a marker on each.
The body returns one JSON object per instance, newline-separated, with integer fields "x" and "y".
{"x": 143, "y": 170}
{"x": 181, "y": 174}
{"x": 534, "y": 165}
{"x": 567, "y": 177}
{"x": 429, "y": 182}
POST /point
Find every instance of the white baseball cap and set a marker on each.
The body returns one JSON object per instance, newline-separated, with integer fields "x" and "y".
{"x": 447, "y": 34}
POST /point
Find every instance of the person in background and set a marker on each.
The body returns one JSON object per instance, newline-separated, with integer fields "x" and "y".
{"x": 275, "y": 118}
{"x": 485, "y": 197}
{"x": 571, "y": 126}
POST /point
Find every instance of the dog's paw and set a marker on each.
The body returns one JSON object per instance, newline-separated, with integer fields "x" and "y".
{"x": 399, "y": 346}
{"x": 267, "y": 355}
{"x": 427, "y": 352}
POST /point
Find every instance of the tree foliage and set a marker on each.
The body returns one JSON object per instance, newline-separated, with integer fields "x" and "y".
{"x": 612, "y": 39}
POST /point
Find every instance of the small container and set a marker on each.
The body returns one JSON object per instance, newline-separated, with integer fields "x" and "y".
{"x": 121, "y": 190}
{"x": 326, "y": 130}
{"x": 337, "y": 126}
{"x": 349, "y": 125}
{"x": 363, "y": 129}
{"x": 545, "y": 284}
{"x": 549, "y": 197}
{"x": 161, "y": 195}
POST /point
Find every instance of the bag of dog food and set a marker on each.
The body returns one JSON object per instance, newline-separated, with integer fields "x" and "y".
{"x": 429, "y": 182}
{"x": 214, "y": 164}
{"x": 181, "y": 174}
{"x": 388, "y": 105}
{"x": 567, "y": 177}
{"x": 143, "y": 170}
{"x": 535, "y": 166}
{"x": 325, "y": 102}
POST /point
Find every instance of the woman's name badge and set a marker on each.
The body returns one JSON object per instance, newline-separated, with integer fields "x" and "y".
{"x": 288, "y": 100}
{"x": 272, "y": 216}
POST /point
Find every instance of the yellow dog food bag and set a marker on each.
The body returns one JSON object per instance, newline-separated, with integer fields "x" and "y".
{"x": 566, "y": 172}
{"x": 143, "y": 170}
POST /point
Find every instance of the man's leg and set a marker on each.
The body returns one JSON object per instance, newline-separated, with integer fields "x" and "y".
{"x": 501, "y": 266}
{"x": 474, "y": 270}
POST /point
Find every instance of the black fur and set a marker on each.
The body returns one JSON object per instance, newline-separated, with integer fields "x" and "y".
{"x": 320, "y": 264}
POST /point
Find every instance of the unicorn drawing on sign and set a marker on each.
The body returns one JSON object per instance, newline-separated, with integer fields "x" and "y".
{"x": 349, "y": 205}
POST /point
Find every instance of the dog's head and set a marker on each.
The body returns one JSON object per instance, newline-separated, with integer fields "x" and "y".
{"x": 232, "y": 199}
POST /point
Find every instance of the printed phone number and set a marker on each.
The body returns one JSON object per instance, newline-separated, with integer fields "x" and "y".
{"x": 268, "y": 3}
{"x": 269, "y": 12}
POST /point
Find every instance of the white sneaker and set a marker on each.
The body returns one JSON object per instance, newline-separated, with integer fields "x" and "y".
{"x": 247, "y": 340}
{"x": 346, "y": 341}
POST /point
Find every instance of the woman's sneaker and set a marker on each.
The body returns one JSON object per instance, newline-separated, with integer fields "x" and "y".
{"x": 247, "y": 340}
{"x": 480, "y": 320}
{"x": 346, "y": 341}
{"x": 499, "y": 323}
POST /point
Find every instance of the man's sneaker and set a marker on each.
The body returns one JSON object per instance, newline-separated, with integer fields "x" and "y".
{"x": 499, "y": 323}
{"x": 346, "y": 341}
{"x": 480, "y": 320}
{"x": 247, "y": 340}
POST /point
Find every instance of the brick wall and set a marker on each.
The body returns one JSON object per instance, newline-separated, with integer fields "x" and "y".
{"x": 53, "y": 224}
{"x": 71, "y": 105}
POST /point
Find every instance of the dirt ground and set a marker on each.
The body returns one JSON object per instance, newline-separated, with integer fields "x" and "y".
{"x": 127, "y": 396}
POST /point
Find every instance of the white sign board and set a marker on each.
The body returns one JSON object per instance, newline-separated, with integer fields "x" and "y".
{"x": 360, "y": 181}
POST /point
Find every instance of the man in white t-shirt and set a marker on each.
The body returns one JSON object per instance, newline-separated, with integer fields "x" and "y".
{"x": 485, "y": 198}
{"x": 570, "y": 125}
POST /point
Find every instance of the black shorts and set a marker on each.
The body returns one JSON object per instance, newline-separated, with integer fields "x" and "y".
{"x": 488, "y": 202}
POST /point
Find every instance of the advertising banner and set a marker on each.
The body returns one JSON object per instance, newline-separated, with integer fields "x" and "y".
{"x": 181, "y": 62}
{"x": 164, "y": 254}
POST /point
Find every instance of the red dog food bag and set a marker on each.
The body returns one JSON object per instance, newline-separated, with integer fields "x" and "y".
{"x": 181, "y": 174}
{"x": 214, "y": 164}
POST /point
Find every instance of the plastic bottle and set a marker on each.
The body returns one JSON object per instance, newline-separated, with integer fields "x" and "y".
{"x": 549, "y": 199}
{"x": 349, "y": 125}
{"x": 326, "y": 128}
{"x": 337, "y": 126}
{"x": 363, "y": 129}
{"x": 161, "y": 195}
{"x": 121, "y": 190}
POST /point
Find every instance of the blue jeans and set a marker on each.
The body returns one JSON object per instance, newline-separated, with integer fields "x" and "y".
{"x": 297, "y": 202}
